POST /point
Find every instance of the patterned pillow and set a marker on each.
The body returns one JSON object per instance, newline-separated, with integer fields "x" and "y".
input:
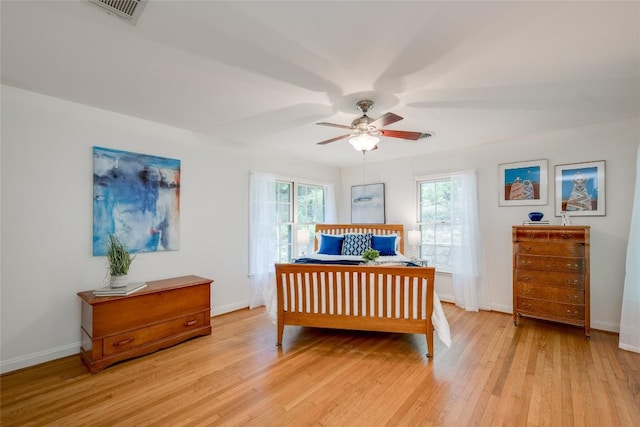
{"x": 356, "y": 244}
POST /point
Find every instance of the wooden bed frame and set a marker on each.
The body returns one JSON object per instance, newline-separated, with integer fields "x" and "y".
{"x": 358, "y": 297}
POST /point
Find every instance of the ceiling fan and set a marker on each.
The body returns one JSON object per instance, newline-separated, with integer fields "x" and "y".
{"x": 364, "y": 131}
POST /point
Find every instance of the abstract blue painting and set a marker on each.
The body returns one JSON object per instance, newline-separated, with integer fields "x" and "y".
{"x": 137, "y": 197}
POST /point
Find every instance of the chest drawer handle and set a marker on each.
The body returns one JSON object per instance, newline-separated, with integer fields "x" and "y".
{"x": 574, "y": 314}
{"x": 123, "y": 342}
{"x": 525, "y": 262}
{"x": 573, "y": 266}
{"x": 190, "y": 322}
{"x": 526, "y": 248}
{"x": 572, "y": 297}
{"x": 573, "y": 282}
{"x": 565, "y": 236}
{"x": 527, "y": 292}
{"x": 526, "y": 278}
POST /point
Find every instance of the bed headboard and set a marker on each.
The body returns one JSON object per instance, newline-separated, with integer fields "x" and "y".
{"x": 382, "y": 229}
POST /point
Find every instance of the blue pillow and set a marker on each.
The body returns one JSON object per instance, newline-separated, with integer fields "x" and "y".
{"x": 330, "y": 245}
{"x": 386, "y": 245}
{"x": 356, "y": 244}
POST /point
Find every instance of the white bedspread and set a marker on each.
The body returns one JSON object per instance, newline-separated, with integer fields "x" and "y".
{"x": 440, "y": 323}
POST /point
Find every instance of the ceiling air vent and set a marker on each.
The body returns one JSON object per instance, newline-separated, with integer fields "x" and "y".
{"x": 127, "y": 9}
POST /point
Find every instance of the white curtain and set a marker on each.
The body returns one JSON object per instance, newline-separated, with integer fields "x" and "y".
{"x": 262, "y": 247}
{"x": 468, "y": 277}
{"x": 630, "y": 317}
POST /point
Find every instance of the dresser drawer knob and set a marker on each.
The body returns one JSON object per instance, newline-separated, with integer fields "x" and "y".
{"x": 574, "y": 314}
{"x": 573, "y": 282}
{"x": 525, "y": 262}
{"x": 190, "y": 322}
{"x": 123, "y": 342}
{"x": 572, "y": 297}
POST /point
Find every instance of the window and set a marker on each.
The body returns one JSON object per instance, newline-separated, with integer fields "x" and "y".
{"x": 297, "y": 206}
{"x": 311, "y": 209}
{"x": 282, "y": 205}
{"x": 440, "y": 231}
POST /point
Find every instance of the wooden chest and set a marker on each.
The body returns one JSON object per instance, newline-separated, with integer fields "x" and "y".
{"x": 551, "y": 274}
{"x": 164, "y": 313}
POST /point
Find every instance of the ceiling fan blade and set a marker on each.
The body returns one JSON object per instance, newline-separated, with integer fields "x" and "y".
{"x": 385, "y": 120}
{"x": 337, "y": 138}
{"x": 334, "y": 125}
{"x": 404, "y": 134}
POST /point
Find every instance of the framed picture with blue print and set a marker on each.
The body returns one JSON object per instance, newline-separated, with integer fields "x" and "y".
{"x": 523, "y": 183}
{"x": 580, "y": 189}
{"x": 367, "y": 204}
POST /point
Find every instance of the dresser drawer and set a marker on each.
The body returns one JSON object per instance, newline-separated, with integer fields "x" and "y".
{"x": 546, "y": 263}
{"x": 551, "y": 293}
{"x": 543, "y": 308}
{"x": 567, "y": 235}
{"x": 531, "y": 234}
{"x": 132, "y": 339}
{"x": 563, "y": 249}
{"x": 552, "y": 278}
{"x": 145, "y": 309}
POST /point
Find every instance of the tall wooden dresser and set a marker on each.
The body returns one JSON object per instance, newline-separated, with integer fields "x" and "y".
{"x": 551, "y": 274}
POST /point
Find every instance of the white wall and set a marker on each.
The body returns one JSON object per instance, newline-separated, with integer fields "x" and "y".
{"x": 47, "y": 216}
{"x": 616, "y": 143}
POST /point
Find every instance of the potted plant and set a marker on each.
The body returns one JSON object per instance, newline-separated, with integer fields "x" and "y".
{"x": 370, "y": 255}
{"x": 119, "y": 261}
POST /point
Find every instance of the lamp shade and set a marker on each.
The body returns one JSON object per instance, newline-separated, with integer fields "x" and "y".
{"x": 414, "y": 238}
{"x": 364, "y": 142}
{"x": 303, "y": 237}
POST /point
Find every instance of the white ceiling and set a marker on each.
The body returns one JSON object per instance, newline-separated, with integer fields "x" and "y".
{"x": 261, "y": 74}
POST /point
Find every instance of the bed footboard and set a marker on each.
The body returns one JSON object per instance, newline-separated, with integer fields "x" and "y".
{"x": 366, "y": 298}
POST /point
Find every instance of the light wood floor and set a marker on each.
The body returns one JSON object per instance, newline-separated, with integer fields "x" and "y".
{"x": 494, "y": 374}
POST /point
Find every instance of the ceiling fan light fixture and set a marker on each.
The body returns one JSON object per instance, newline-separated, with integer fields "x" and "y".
{"x": 364, "y": 142}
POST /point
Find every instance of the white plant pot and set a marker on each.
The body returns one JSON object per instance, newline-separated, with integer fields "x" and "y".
{"x": 119, "y": 281}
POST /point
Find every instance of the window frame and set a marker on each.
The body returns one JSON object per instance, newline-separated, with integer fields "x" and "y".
{"x": 294, "y": 224}
{"x": 441, "y": 268}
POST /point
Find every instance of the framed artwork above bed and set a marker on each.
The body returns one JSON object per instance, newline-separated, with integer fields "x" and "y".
{"x": 367, "y": 204}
